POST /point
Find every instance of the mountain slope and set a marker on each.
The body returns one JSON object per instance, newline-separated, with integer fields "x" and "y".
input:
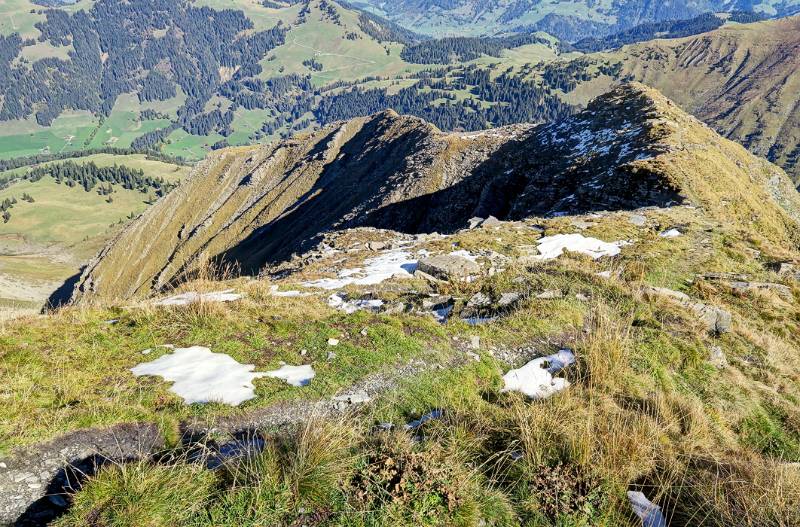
{"x": 743, "y": 80}
{"x": 185, "y": 76}
{"x": 571, "y": 20}
{"x": 57, "y": 220}
{"x": 250, "y": 207}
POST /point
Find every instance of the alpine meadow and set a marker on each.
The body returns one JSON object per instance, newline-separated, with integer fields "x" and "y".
{"x": 423, "y": 263}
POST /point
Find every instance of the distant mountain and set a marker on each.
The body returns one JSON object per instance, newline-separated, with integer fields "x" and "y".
{"x": 186, "y": 78}
{"x": 667, "y": 29}
{"x": 743, "y": 80}
{"x": 571, "y": 20}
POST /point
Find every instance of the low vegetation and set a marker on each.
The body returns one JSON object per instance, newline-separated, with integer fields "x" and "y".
{"x": 711, "y": 444}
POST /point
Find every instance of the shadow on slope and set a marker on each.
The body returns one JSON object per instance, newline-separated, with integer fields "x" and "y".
{"x": 573, "y": 167}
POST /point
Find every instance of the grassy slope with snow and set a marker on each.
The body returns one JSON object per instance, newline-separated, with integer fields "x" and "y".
{"x": 645, "y": 409}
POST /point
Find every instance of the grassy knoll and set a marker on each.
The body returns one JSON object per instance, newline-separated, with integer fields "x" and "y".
{"x": 342, "y": 58}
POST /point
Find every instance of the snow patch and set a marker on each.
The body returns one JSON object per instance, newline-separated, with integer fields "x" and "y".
{"x": 191, "y": 297}
{"x": 339, "y": 301}
{"x": 286, "y": 294}
{"x": 200, "y": 376}
{"x": 551, "y": 247}
{"x": 646, "y": 510}
{"x": 536, "y": 380}
{"x": 294, "y": 375}
{"x": 672, "y": 233}
{"x": 390, "y": 264}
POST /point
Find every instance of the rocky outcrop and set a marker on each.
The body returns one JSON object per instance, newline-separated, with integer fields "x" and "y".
{"x": 448, "y": 266}
{"x": 251, "y": 207}
{"x": 715, "y": 319}
{"x": 35, "y": 482}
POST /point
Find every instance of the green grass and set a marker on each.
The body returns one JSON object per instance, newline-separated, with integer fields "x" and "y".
{"x": 66, "y": 215}
{"x": 124, "y": 124}
{"x": 167, "y": 171}
{"x": 68, "y": 133}
{"x": 181, "y": 143}
{"x": 245, "y": 334}
{"x": 47, "y": 241}
{"x": 644, "y": 407}
{"x": 342, "y": 58}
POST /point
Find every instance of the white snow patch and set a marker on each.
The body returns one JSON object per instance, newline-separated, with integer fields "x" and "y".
{"x": 551, "y": 247}
{"x": 646, "y": 510}
{"x": 536, "y": 380}
{"x": 672, "y": 233}
{"x": 339, "y": 301}
{"x": 287, "y": 294}
{"x": 200, "y": 376}
{"x": 294, "y": 375}
{"x": 604, "y": 274}
{"x": 390, "y": 264}
{"x": 191, "y": 297}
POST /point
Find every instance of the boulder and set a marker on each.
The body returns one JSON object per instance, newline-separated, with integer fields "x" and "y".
{"x": 449, "y": 266}
{"x": 491, "y": 221}
{"x": 638, "y": 220}
{"x": 717, "y": 358}
{"x": 479, "y": 300}
{"x": 475, "y": 222}
{"x": 744, "y": 287}
{"x": 550, "y": 294}
{"x": 35, "y": 479}
{"x": 377, "y": 246}
{"x": 716, "y": 319}
{"x": 437, "y": 302}
{"x": 508, "y": 299}
{"x": 784, "y": 268}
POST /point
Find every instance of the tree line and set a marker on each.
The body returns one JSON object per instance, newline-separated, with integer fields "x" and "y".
{"x": 463, "y": 49}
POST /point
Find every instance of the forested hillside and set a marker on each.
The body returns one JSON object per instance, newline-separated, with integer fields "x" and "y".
{"x": 145, "y": 47}
{"x": 184, "y": 78}
{"x": 181, "y": 78}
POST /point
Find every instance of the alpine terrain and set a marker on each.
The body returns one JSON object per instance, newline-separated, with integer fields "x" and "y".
{"x": 589, "y": 322}
{"x": 420, "y": 263}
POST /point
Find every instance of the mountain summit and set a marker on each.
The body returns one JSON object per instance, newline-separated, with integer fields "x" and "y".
{"x": 254, "y": 206}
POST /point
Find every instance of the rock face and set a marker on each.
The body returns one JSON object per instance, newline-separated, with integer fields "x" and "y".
{"x": 33, "y": 483}
{"x": 250, "y": 207}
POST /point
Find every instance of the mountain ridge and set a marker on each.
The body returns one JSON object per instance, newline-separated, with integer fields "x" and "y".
{"x": 630, "y": 148}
